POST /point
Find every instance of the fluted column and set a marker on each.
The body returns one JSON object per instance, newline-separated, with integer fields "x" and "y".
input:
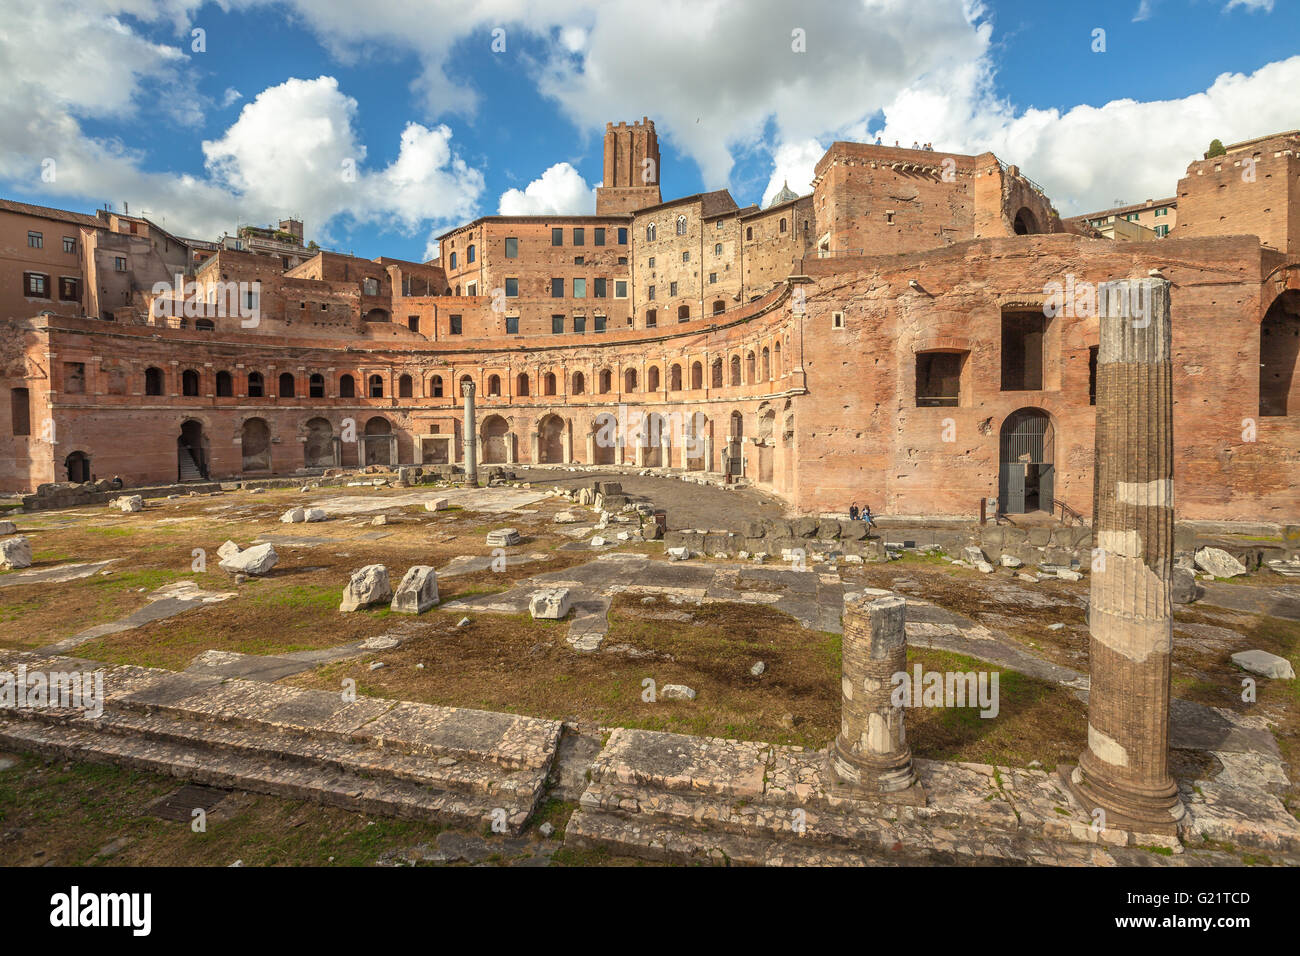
{"x": 1125, "y": 769}
{"x": 471, "y": 435}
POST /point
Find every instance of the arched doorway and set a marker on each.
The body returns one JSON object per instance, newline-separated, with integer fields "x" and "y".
{"x": 655, "y": 439}
{"x": 191, "y": 455}
{"x": 379, "y": 431}
{"x": 550, "y": 440}
{"x": 1026, "y": 475}
{"x": 1025, "y": 224}
{"x": 496, "y": 438}
{"x": 605, "y": 439}
{"x": 1279, "y": 356}
{"x": 735, "y": 457}
{"x": 318, "y": 449}
{"x": 78, "y": 465}
{"x": 255, "y": 443}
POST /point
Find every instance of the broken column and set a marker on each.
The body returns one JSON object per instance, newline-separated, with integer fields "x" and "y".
{"x": 471, "y": 434}
{"x": 870, "y": 757}
{"x": 1125, "y": 769}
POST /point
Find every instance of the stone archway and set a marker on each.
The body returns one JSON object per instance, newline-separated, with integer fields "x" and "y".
{"x": 1279, "y": 356}
{"x": 1027, "y": 472}
{"x": 604, "y": 439}
{"x": 255, "y": 444}
{"x": 550, "y": 440}
{"x": 1025, "y": 224}
{"x": 78, "y": 466}
{"x": 379, "y": 441}
{"x": 318, "y": 448}
{"x": 496, "y": 441}
{"x": 191, "y": 451}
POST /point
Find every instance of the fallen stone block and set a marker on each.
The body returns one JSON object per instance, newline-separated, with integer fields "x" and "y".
{"x": 549, "y": 604}
{"x": 503, "y": 538}
{"x": 8, "y": 527}
{"x": 293, "y": 516}
{"x": 1010, "y": 561}
{"x": 15, "y": 553}
{"x": 227, "y": 549}
{"x": 437, "y": 504}
{"x": 1218, "y": 562}
{"x": 314, "y": 514}
{"x": 677, "y": 692}
{"x": 678, "y": 554}
{"x": 129, "y": 504}
{"x": 1183, "y": 590}
{"x": 566, "y": 517}
{"x": 258, "y": 559}
{"x": 417, "y": 592}
{"x": 366, "y": 586}
{"x": 974, "y": 555}
{"x": 1264, "y": 664}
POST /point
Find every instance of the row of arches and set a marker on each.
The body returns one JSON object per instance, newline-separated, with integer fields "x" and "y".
{"x": 257, "y": 386}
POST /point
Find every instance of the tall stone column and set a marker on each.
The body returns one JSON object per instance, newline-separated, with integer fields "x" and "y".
{"x": 870, "y": 757}
{"x": 1125, "y": 770}
{"x": 471, "y": 434}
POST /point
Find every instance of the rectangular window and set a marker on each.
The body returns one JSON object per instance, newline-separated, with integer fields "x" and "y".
{"x": 512, "y": 325}
{"x": 1092, "y": 375}
{"x": 454, "y": 322}
{"x": 471, "y": 288}
{"x": 622, "y": 260}
{"x": 36, "y": 285}
{"x": 579, "y": 260}
{"x": 837, "y": 320}
{"x": 512, "y": 247}
{"x": 119, "y": 263}
{"x": 599, "y": 290}
{"x": 598, "y": 236}
{"x": 713, "y": 278}
{"x": 580, "y": 323}
{"x": 620, "y": 288}
{"x": 650, "y": 293}
{"x": 1162, "y": 230}
{"x": 650, "y": 263}
{"x": 74, "y": 378}
{"x": 557, "y": 288}
{"x": 938, "y": 379}
{"x": 579, "y": 288}
{"x": 686, "y": 256}
{"x": 413, "y": 323}
{"x": 69, "y": 289}
{"x": 672, "y": 290}
{"x": 1162, "y": 211}
{"x": 512, "y": 288}
{"x": 579, "y": 237}
{"x": 651, "y": 318}
{"x": 20, "y": 411}
{"x": 557, "y": 237}
{"x": 69, "y": 244}
{"x": 599, "y": 322}
{"x": 35, "y": 240}
{"x": 622, "y": 237}
{"x": 717, "y": 249}
{"x": 557, "y": 324}
{"x": 1022, "y": 351}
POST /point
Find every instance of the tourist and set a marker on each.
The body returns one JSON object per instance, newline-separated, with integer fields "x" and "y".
{"x": 868, "y": 517}
{"x": 853, "y": 511}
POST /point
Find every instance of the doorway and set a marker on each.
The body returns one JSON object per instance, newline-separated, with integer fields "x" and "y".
{"x": 1027, "y": 473}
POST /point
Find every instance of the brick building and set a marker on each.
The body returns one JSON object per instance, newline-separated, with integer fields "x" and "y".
{"x": 918, "y": 333}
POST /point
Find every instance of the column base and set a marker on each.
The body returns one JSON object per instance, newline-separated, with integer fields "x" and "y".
{"x": 850, "y": 777}
{"x": 1161, "y": 813}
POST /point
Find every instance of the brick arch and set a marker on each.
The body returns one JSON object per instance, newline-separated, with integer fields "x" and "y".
{"x": 941, "y": 342}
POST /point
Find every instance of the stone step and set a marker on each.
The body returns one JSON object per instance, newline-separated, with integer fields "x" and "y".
{"x": 192, "y": 762}
{"x": 519, "y": 788}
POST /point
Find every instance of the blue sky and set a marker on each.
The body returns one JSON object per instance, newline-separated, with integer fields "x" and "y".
{"x": 438, "y": 126}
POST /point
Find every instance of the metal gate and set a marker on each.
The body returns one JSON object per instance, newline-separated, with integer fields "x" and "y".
{"x": 1026, "y": 474}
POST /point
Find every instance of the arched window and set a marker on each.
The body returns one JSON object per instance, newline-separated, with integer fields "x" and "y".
{"x": 675, "y": 378}
{"x": 767, "y": 364}
{"x": 376, "y": 386}
{"x": 347, "y": 387}
{"x": 286, "y": 385}
{"x": 606, "y": 381}
{"x": 782, "y": 225}
{"x": 735, "y": 370}
{"x": 548, "y": 383}
{"x": 437, "y": 386}
{"x": 681, "y": 225}
{"x": 255, "y": 386}
{"x": 464, "y": 380}
{"x": 650, "y": 232}
{"x": 469, "y": 253}
{"x": 629, "y": 380}
{"x": 204, "y": 325}
{"x": 189, "y": 382}
{"x": 453, "y": 265}
{"x": 225, "y": 385}
{"x": 579, "y": 383}
{"x": 652, "y": 379}
{"x": 749, "y": 233}
{"x": 494, "y": 385}
{"x": 697, "y": 375}
{"x": 404, "y": 387}
{"x": 717, "y": 373}
{"x": 683, "y": 313}
{"x": 750, "y": 369}
{"x": 153, "y": 381}
{"x": 316, "y": 386}
{"x": 776, "y": 357}
{"x": 521, "y": 384}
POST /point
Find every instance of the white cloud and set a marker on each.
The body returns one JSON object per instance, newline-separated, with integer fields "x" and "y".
{"x": 561, "y": 191}
{"x": 1143, "y": 11}
{"x": 1250, "y": 5}
{"x": 231, "y": 96}
{"x": 793, "y": 163}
